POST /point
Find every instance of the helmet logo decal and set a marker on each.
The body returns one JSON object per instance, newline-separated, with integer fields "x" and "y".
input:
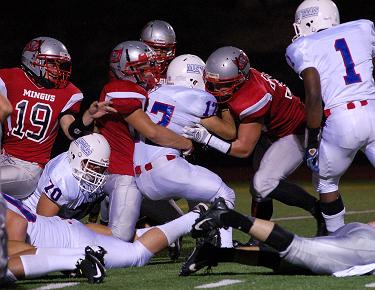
{"x": 241, "y": 61}
{"x": 116, "y": 55}
{"x": 308, "y": 12}
{"x": 84, "y": 146}
{"x": 34, "y": 45}
{"x": 194, "y": 68}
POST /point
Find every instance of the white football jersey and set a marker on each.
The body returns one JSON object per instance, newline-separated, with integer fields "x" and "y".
{"x": 174, "y": 107}
{"x": 59, "y": 184}
{"x": 343, "y": 57}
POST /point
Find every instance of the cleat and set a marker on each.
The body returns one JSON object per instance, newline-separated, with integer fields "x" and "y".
{"x": 252, "y": 242}
{"x": 203, "y": 255}
{"x": 209, "y": 220}
{"x": 91, "y": 268}
{"x": 96, "y": 251}
{"x": 174, "y": 249}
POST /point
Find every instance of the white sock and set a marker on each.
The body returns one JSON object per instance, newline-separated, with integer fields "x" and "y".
{"x": 40, "y": 265}
{"x": 60, "y": 251}
{"x": 140, "y": 232}
{"x": 179, "y": 227}
{"x": 226, "y": 238}
{"x": 334, "y": 222}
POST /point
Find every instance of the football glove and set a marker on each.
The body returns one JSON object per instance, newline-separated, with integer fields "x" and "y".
{"x": 200, "y": 134}
{"x": 312, "y": 149}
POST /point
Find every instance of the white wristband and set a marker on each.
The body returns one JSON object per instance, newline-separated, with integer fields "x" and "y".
{"x": 219, "y": 144}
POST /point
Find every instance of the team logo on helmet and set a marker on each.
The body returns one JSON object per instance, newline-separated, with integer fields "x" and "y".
{"x": 308, "y": 12}
{"x": 84, "y": 146}
{"x": 116, "y": 55}
{"x": 241, "y": 61}
{"x": 34, "y": 45}
{"x": 194, "y": 68}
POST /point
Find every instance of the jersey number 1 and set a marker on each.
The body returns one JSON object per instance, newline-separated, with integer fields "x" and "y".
{"x": 351, "y": 75}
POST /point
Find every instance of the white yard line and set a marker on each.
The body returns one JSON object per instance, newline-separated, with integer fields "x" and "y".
{"x": 370, "y": 285}
{"x": 220, "y": 283}
{"x": 57, "y": 286}
{"x": 291, "y": 218}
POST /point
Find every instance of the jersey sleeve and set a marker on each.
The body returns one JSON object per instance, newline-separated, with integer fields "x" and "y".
{"x": 257, "y": 110}
{"x": 372, "y": 36}
{"x": 297, "y": 56}
{"x": 126, "y": 104}
{"x": 3, "y": 88}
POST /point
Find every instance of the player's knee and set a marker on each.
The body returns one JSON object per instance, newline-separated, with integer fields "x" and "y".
{"x": 122, "y": 233}
{"x": 326, "y": 185}
{"x": 142, "y": 254}
{"x": 262, "y": 186}
{"x": 227, "y": 193}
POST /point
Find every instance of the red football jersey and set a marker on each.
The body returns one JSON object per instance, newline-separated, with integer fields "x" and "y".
{"x": 126, "y": 97}
{"x": 31, "y": 129}
{"x": 264, "y": 97}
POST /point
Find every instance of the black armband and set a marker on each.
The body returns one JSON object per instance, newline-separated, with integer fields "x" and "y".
{"x": 313, "y": 137}
{"x": 78, "y": 129}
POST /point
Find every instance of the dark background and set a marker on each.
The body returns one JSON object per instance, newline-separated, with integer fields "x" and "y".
{"x": 90, "y": 29}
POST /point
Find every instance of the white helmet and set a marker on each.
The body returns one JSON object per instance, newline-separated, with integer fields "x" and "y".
{"x": 314, "y": 15}
{"x": 48, "y": 62}
{"x": 89, "y": 159}
{"x": 186, "y": 70}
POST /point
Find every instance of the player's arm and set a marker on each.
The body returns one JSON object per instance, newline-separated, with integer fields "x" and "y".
{"x": 157, "y": 134}
{"x": 46, "y": 207}
{"x": 313, "y": 97}
{"x": 5, "y": 108}
{"x": 75, "y": 127}
{"x": 247, "y": 137}
{"x": 224, "y": 127}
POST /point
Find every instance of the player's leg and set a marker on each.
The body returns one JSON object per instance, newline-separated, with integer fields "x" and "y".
{"x": 18, "y": 178}
{"x": 269, "y": 181}
{"x": 124, "y": 205}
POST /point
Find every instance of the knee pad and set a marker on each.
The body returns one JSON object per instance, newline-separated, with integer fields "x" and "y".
{"x": 227, "y": 193}
{"x": 263, "y": 185}
{"x": 325, "y": 185}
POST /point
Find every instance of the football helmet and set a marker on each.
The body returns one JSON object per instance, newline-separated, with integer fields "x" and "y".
{"x": 134, "y": 61}
{"x": 314, "y": 15}
{"x": 186, "y": 70}
{"x": 47, "y": 61}
{"x": 160, "y": 35}
{"x": 226, "y": 70}
{"x": 89, "y": 160}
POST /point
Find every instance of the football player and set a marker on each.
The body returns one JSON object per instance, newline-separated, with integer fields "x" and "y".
{"x": 336, "y": 63}
{"x": 60, "y": 243}
{"x": 42, "y": 98}
{"x": 347, "y": 252}
{"x": 160, "y": 36}
{"x": 260, "y": 101}
{"x": 180, "y": 103}
{"x": 72, "y": 182}
{"x": 133, "y": 72}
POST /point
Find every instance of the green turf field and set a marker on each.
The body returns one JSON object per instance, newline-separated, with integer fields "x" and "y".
{"x": 161, "y": 273}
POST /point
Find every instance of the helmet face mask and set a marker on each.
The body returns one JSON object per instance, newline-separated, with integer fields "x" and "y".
{"x": 160, "y": 36}
{"x": 135, "y": 61}
{"x": 226, "y": 70}
{"x": 48, "y": 62}
{"x": 186, "y": 70}
{"x": 89, "y": 159}
{"x": 314, "y": 15}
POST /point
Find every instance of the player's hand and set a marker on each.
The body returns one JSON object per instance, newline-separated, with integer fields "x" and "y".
{"x": 99, "y": 109}
{"x": 312, "y": 159}
{"x": 198, "y": 133}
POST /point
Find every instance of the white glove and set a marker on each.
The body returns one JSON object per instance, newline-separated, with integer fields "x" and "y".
{"x": 198, "y": 133}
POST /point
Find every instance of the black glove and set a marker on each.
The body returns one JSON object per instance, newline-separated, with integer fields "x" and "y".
{"x": 312, "y": 149}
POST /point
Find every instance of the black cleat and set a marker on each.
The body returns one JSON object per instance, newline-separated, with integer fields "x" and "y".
{"x": 203, "y": 255}
{"x": 252, "y": 242}
{"x": 96, "y": 251}
{"x": 209, "y": 220}
{"x": 91, "y": 267}
{"x": 174, "y": 249}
